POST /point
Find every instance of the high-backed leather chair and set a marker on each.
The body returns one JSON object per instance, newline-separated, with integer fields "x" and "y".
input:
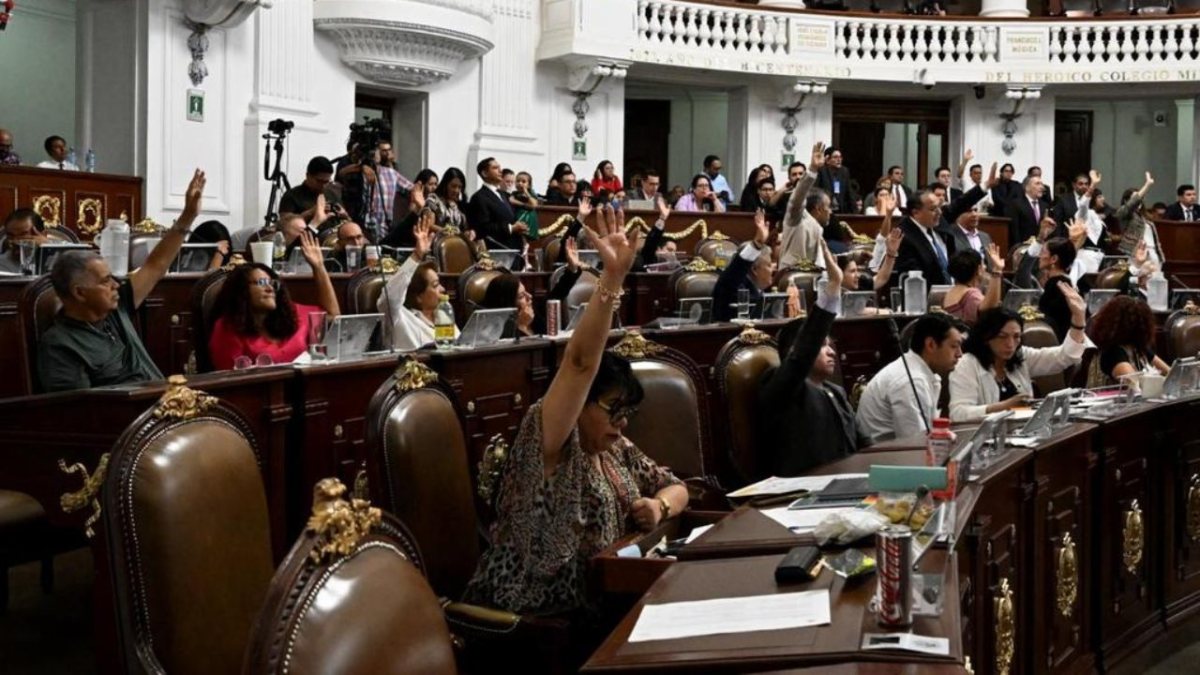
{"x": 350, "y": 598}
{"x": 1017, "y": 253}
{"x": 141, "y": 236}
{"x": 61, "y": 234}
{"x": 363, "y": 290}
{"x": 184, "y": 516}
{"x": 1039, "y": 334}
{"x": 550, "y": 252}
{"x": 580, "y": 293}
{"x": 804, "y": 279}
{"x": 418, "y": 469}
{"x": 694, "y": 280}
{"x": 453, "y": 253}
{"x": 715, "y": 246}
{"x": 203, "y": 302}
{"x": 26, "y": 536}
{"x": 474, "y": 281}
{"x": 738, "y": 370}
{"x": 1183, "y": 334}
{"x": 38, "y": 305}
{"x": 937, "y": 297}
{"x": 1112, "y": 276}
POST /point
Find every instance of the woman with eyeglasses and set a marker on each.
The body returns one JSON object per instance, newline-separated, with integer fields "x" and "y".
{"x": 255, "y": 315}
{"x": 507, "y": 291}
{"x": 572, "y": 483}
{"x": 996, "y": 372}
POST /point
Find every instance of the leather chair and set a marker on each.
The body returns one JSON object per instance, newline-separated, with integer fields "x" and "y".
{"x": 1017, "y": 253}
{"x": 937, "y": 297}
{"x": 26, "y": 536}
{"x": 184, "y": 516}
{"x": 364, "y": 609}
{"x": 1183, "y": 334}
{"x": 474, "y": 281}
{"x": 141, "y": 237}
{"x": 1113, "y": 276}
{"x": 418, "y": 470}
{"x": 203, "y": 301}
{"x": 738, "y": 370}
{"x": 804, "y": 283}
{"x": 694, "y": 280}
{"x": 62, "y": 235}
{"x": 38, "y": 305}
{"x": 550, "y": 253}
{"x": 580, "y": 293}
{"x": 715, "y": 246}
{"x": 363, "y": 291}
{"x": 1153, "y": 7}
{"x": 1039, "y": 334}
{"x": 453, "y": 253}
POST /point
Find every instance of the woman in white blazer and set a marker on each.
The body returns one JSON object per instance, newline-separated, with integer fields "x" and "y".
{"x": 413, "y": 293}
{"x": 995, "y": 372}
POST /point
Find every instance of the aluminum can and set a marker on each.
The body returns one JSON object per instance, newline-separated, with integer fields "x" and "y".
{"x": 553, "y": 312}
{"x": 893, "y": 565}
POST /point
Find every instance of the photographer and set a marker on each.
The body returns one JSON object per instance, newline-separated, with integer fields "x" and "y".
{"x": 302, "y": 199}
{"x": 368, "y": 188}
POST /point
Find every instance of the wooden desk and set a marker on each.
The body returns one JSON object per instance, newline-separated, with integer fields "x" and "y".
{"x": 1181, "y": 245}
{"x": 73, "y": 200}
{"x": 738, "y": 226}
{"x": 753, "y": 576}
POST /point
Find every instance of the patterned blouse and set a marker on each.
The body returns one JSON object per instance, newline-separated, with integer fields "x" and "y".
{"x": 445, "y": 213}
{"x": 547, "y": 529}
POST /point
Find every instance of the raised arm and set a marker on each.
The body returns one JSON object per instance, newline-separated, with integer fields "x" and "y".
{"x": 326, "y": 298}
{"x": 650, "y": 248}
{"x": 795, "y": 205}
{"x": 996, "y": 284}
{"x": 962, "y": 166}
{"x": 567, "y": 395}
{"x": 884, "y": 274}
{"x": 158, "y": 263}
{"x": 1130, "y": 207}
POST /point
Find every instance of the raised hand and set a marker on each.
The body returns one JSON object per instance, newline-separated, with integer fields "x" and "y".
{"x": 1046, "y": 228}
{"x": 893, "y": 241}
{"x": 617, "y": 251}
{"x": 320, "y": 214}
{"x": 664, "y": 209}
{"x": 423, "y": 235}
{"x": 311, "y": 250}
{"x": 1141, "y": 253}
{"x": 585, "y": 208}
{"x": 1075, "y": 302}
{"x": 818, "y": 157}
{"x": 992, "y": 179}
{"x": 1077, "y": 233}
{"x": 832, "y": 268}
{"x": 998, "y": 262}
{"x": 1149, "y": 179}
{"x": 968, "y": 155}
{"x": 417, "y": 196}
{"x": 885, "y": 203}
{"x": 195, "y": 190}
{"x": 1095, "y": 177}
{"x": 573, "y": 263}
{"x": 761, "y": 231}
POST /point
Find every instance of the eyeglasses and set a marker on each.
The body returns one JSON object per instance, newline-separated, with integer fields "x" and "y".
{"x": 263, "y": 282}
{"x": 617, "y": 413}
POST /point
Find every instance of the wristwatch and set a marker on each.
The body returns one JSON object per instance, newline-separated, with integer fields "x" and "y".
{"x": 664, "y": 508}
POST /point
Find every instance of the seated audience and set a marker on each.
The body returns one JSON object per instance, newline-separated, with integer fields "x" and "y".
{"x": 212, "y": 232}
{"x": 879, "y": 253}
{"x": 20, "y": 225}
{"x": 93, "y": 341}
{"x": 7, "y": 156}
{"x": 605, "y": 178}
{"x": 560, "y": 169}
{"x": 716, "y": 181}
{"x": 889, "y": 407}
{"x": 749, "y": 199}
{"x": 349, "y": 234}
{"x": 968, "y": 237}
{"x": 997, "y": 372}
{"x": 56, "y": 148}
{"x": 507, "y": 291}
{"x": 1184, "y": 208}
{"x": 412, "y": 295}
{"x": 853, "y": 281}
{"x": 1124, "y": 331}
{"x": 447, "y": 202}
{"x": 701, "y": 198}
{"x": 813, "y": 420}
{"x": 876, "y": 207}
{"x": 965, "y": 300}
{"x": 256, "y": 316}
{"x": 751, "y": 270}
{"x": 1055, "y": 260}
{"x": 779, "y": 198}
{"x": 302, "y": 199}
{"x": 565, "y": 192}
{"x": 925, "y": 248}
{"x": 648, "y": 189}
{"x": 573, "y": 484}
{"x": 658, "y": 247}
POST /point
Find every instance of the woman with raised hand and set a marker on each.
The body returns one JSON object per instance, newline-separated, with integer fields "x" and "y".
{"x": 964, "y": 300}
{"x": 410, "y": 298}
{"x": 572, "y": 483}
{"x": 256, "y": 316}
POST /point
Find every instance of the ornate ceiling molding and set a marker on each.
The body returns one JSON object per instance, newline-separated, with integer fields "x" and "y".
{"x": 408, "y": 53}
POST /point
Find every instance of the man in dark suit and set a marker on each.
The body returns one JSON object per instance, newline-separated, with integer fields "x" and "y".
{"x": 649, "y": 190}
{"x": 942, "y": 175}
{"x": 807, "y": 420}
{"x": 751, "y": 269}
{"x": 1185, "y": 208}
{"x": 901, "y": 195}
{"x": 1067, "y": 206}
{"x": 1026, "y": 211}
{"x": 835, "y": 179}
{"x": 489, "y": 212}
{"x": 925, "y": 248}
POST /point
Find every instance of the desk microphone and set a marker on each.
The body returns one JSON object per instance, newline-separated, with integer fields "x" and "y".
{"x": 895, "y": 331}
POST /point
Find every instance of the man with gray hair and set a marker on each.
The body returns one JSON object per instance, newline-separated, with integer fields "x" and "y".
{"x": 1027, "y": 210}
{"x": 93, "y": 342}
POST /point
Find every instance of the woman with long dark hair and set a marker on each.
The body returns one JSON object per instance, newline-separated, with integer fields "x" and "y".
{"x": 507, "y": 291}
{"x": 606, "y": 178}
{"x": 996, "y": 372}
{"x": 749, "y": 200}
{"x": 255, "y": 314}
{"x": 447, "y": 203}
{"x": 1124, "y": 332}
{"x": 211, "y": 232}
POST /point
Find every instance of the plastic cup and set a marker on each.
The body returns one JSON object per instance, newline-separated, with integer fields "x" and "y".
{"x": 263, "y": 252}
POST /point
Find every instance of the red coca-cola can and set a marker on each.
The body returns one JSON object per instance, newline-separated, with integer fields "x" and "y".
{"x": 893, "y": 565}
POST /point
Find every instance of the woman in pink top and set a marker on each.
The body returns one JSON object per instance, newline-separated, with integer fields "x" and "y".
{"x": 256, "y": 316}
{"x": 606, "y": 178}
{"x": 701, "y": 198}
{"x": 964, "y": 300}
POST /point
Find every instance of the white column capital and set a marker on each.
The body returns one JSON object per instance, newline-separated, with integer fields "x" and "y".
{"x": 1002, "y": 8}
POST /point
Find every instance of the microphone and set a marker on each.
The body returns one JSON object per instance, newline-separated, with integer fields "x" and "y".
{"x": 387, "y": 309}
{"x": 895, "y": 331}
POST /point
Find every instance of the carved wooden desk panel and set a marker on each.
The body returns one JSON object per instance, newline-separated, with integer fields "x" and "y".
{"x": 73, "y": 200}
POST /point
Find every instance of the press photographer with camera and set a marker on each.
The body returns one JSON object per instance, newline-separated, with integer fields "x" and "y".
{"x": 369, "y": 187}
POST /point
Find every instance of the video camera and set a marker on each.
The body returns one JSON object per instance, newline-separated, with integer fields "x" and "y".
{"x": 280, "y": 127}
{"x": 367, "y": 136}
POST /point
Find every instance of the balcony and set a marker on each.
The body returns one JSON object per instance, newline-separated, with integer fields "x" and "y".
{"x": 850, "y": 46}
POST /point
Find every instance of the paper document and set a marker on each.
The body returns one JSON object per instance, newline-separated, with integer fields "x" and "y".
{"x": 1021, "y": 414}
{"x": 781, "y": 486}
{"x": 908, "y": 642}
{"x": 675, "y": 620}
{"x": 696, "y": 532}
{"x": 800, "y": 519}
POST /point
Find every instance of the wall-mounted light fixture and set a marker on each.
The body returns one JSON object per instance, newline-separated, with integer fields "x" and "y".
{"x": 1018, "y": 95}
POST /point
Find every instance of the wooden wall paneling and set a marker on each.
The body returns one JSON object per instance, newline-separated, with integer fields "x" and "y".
{"x": 1181, "y": 515}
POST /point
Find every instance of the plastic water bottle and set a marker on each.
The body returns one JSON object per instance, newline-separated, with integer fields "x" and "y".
{"x": 443, "y": 323}
{"x": 114, "y": 247}
{"x": 915, "y": 292}
{"x": 1157, "y": 292}
{"x": 71, "y": 156}
{"x": 280, "y": 263}
{"x": 90, "y": 161}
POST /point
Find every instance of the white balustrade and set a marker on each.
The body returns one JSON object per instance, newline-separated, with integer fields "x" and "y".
{"x": 709, "y": 27}
{"x": 1129, "y": 42}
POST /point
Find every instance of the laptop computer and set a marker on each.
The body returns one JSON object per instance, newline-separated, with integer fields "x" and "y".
{"x": 350, "y": 336}
{"x": 486, "y": 327}
{"x": 699, "y": 309}
{"x": 46, "y": 253}
{"x": 193, "y": 258}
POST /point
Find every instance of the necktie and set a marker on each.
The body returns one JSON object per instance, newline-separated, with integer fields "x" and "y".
{"x": 1037, "y": 211}
{"x": 937, "y": 248}
{"x": 60, "y": 166}
{"x": 1188, "y": 214}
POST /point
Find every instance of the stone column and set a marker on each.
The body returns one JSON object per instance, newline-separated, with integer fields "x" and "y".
{"x": 1002, "y": 8}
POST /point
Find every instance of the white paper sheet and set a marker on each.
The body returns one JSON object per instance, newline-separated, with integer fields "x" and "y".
{"x": 776, "y": 485}
{"x": 800, "y": 519}
{"x": 1022, "y": 414}
{"x": 696, "y": 532}
{"x": 912, "y": 642}
{"x": 676, "y": 620}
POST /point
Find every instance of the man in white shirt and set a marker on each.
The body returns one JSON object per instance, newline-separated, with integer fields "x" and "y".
{"x": 890, "y": 408}
{"x": 900, "y": 192}
{"x": 56, "y": 147}
{"x": 720, "y": 186}
{"x": 805, "y": 217}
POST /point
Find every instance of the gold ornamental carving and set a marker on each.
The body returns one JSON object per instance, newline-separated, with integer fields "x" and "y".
{"x": 486, "y": 264}
{"x": 635, "y": 346}
{"x": 1066, "y": 570}
{"x": 491, "y": 466}
{"x": 699, "y": 264}
{"x": 718, "y": 236}
{"x": 753, "y": 336}
{"x": 1030, "y": 313}
{"x": 95, "y": 208}
{"x": 181, "y": 402}
{"x": 389, "y": 266}
{"x": 805, "y": 265}
{"x": 413, "y": 375}
{"x": 1006, "y": 627}
{"x": 563, "y": 220}
{"x": 1133, "y": 537}
{"x": 88, "y": 494}
{"x": 146, "y": 226}
{"x": 49, "y": 208}
{"x": 235, "y": 260}
{"x": 337, "y": 524}
{"x": 362, "y": 485}
{"x": 1192, "y": 522}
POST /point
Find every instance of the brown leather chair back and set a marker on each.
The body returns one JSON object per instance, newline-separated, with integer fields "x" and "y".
{"x": 674, "y": 390}
{"x": 1017, "y": 253}
{"x": 1039, "y": 334}
{"x": 1183, "y": 335}
{"x": 715, "y": 246}
{"x": 363, "y": 291}
{"x": 203, "y": 302}
{"x": 474, "y": 281}
{"x": 139, "y": 247}
{"x": 185, "y": 518}
{"x": 368, "y": 610}
{"x": 418, "y": 470}
{"x": 1111, "y": 276}
{"x": 38, "y": 305}
{"x": 937, "y": 297}
{"x": 739, "y": 368}
{"x": 550, "y": 253}
{"x": 453, "y": 253}
{"x": 692, "y": 281}
{"x": 804, "y": 283}
{"x": 62, "y": 234}
{"x": 580, "y": 293}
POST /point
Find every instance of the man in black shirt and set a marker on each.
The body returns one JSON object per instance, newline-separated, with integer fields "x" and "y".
{"x": 302, "y": 199}
{"x": 750, "y": 269}
{"x": 566, "y": 194}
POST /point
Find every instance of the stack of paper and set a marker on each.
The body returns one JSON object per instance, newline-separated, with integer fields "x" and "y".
{"x": 675, "y": 620}
{"x": 800, "y": 520}
{"x": 781, "y": 486}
